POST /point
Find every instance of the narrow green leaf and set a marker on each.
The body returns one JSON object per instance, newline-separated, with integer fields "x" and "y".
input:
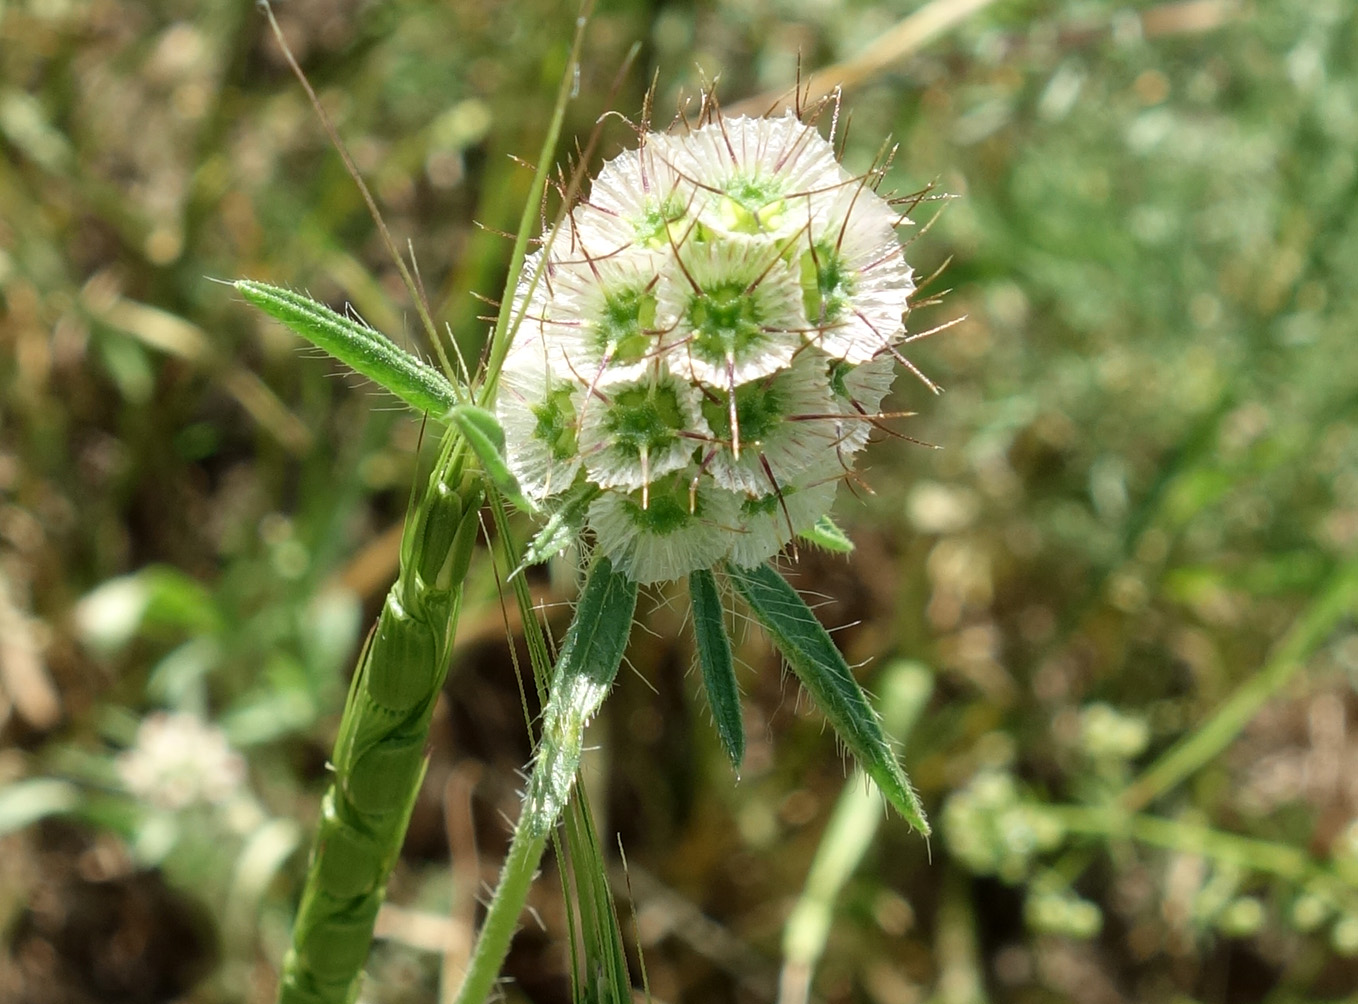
{"x": 714, "y": 657}
{"x": 564, "y": 526}
{"x": 487, "y": 440}
{"x": 585, "y": 670}
{"x": 812, "y": 654}
{"x": 827, "y": 534}
{"x": 358, "y": 346}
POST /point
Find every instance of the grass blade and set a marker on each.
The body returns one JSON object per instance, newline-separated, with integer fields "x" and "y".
{"x": 811, "y": 653}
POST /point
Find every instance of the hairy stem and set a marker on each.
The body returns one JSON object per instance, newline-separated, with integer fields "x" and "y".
{"x": 584, "y": 673}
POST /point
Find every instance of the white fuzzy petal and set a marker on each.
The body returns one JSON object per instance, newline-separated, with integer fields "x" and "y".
{"x": 537, "y": 410}
{"x": 639, "y": 431}
{"x": 712, "y": 282}
{"x": 758, "y": 176}
{"x": 698, "y": 539}
{"x": 858, "y": 393}
{"x": 855, "y": 240}
{"x": 769, "y": 521}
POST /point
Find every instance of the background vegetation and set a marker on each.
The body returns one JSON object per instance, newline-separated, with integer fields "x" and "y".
{"x": 1116, "y": 606}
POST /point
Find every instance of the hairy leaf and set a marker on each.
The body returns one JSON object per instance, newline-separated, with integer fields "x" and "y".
{"x": 818, "y": 663}
{"x": 358, "y": 346}
{"x": 714, "y": 657}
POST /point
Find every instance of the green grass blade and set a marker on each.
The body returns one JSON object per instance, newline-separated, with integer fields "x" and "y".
{"x": 601, "y": 975}
{"x": 811, "y": 653}
{"x": 362, "y": 348}
{"x": 714, "y": 658}
{"x": 505, "y": 321}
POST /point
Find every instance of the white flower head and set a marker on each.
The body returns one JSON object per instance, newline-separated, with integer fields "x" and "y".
{"x": 856, "y": 285}
{"x": 538, "y": 407}
{"x": 771, "y": 519}
{"x": 858, "y": 394}
{"x": 782, "y": 427}
{"x": 638, "y": 198}
{"x": 758, "y": 177}
{"x": 180, "y": 760}
{"x": 672, "y": 532}
{"x": 709, "y": 344}
{"x": 601, "y": 315}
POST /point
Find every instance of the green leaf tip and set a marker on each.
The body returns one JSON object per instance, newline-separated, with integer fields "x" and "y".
{"x": 563, "y": 527}
{"x": 363, "y": 349}
{"x": 718, "y": 668}
{"x": 826, "y": 534}
{"x": 484, "y": 435}
{"x": 822, "y": 669}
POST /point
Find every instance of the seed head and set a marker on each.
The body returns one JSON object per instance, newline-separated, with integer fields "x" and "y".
{"x": 709, "y": 342}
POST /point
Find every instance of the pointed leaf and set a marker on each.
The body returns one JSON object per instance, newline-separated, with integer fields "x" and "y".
{"x": 585, "y": 670}
{"x": 487, "y": 439}
{"x": 563, "y": 528}
{"x": 827, "y": 534}
{"x": 714, "y": 656}
{"x": 362, "y": 348}
{"x": 820, "y": 666}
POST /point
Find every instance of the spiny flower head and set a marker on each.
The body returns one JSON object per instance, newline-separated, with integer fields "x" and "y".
{"x": 707, "y": 340}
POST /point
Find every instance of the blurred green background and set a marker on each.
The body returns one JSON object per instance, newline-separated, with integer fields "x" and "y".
{"x": 1144, "y": 511}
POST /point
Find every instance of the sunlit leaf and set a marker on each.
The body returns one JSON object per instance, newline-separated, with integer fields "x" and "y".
{"x": 818, "y": 663}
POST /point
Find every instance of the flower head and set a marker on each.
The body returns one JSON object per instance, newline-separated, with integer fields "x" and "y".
{"x": 180, "y": 760}
{"x": 709, "y": 342}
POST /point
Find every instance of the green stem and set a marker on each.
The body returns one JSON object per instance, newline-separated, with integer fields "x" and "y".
{"x": 502, "y": 917}
{"x": 584, "y": 674}
{"x": 1290, "y": 863}
{"x": 379, "y": 755}
{"x": 1310, "y": 630}
{"x": 506, "y": 321}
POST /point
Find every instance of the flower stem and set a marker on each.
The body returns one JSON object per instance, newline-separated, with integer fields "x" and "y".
{"x": 1308, "y": 632}
{"x": 502, "y": 918}
{"x": 584, "y": 673}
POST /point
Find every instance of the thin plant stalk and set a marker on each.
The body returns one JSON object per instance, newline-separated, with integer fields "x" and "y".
{"x": 1220, "y": 730}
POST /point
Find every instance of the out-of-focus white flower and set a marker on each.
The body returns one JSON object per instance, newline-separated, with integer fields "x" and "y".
{"x": 180, "y": 760}
{"x": 709, "y": 342}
